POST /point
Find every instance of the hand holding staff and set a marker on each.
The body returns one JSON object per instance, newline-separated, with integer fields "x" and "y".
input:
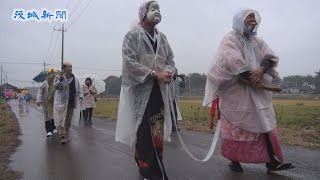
{"x": 263, "y": 86}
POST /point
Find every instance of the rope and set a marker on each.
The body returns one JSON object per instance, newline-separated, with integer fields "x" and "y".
{"x": 214, "y": 140}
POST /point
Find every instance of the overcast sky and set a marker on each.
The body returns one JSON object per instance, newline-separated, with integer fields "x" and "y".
{"x": 194, "y": 30}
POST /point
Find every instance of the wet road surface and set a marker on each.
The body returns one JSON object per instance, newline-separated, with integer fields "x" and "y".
{"x": 93, "y": 154}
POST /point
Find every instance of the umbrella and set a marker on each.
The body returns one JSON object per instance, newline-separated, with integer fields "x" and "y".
{"x": 96, "y": 81}
{"x": 8, "y": 92}
{"x": 42, "y": 76}
{"x": 24, "y": 92}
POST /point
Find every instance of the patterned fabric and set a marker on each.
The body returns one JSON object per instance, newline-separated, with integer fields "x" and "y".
{"x": 149, "y": 146}
{"x": 229, "y": 131}
{"x": 244, "y": 146}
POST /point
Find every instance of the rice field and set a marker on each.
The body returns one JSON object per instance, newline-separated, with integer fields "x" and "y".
{"x": 298, "y": 119}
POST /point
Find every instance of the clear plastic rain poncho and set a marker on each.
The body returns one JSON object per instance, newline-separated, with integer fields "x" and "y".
{"x": 139, "y": 59}
{"x": 243, "y": 106}
{"x": 61, "y": 99}
{"x": 42, "y": 96}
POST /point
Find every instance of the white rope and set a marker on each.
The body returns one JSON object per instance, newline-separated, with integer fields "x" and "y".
{"x": 214, "y": 140}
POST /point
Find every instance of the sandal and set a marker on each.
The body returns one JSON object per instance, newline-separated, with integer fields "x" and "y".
{"x": 235, "y": 166}
{"x": 279, "y": 167}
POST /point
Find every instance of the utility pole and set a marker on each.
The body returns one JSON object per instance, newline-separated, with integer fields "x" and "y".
{"x": 62, "y": 45}
{"x": 5, "y": 81}
{"x": 44, "y": 66}
{"x": 190, "y": 87}
{"x": 62, "y": 31}
{"x": 1, "y": 84}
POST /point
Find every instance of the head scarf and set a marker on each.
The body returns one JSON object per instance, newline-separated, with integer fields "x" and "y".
{"x": 52, "y": 71}
{"x": 143, "y": 9}
{"x": 238, "y": 20}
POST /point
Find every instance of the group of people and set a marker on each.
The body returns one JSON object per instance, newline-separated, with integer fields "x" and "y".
{"x": 249, "y": 129}
{"x": 62, "y": 98}
{"x": 22, "y": 97}
{"x": 147, "y": 108}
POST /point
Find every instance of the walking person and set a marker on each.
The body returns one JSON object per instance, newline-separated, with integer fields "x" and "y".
{"x": 66, "y": 101}
{"x": 249, "y": 127}
{"x": 45, "y": 97}
{"x": 144, "y": 118}
{"x": 89, "y": 91}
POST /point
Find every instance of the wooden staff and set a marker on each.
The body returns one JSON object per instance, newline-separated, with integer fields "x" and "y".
{"x": 265, "y": 87}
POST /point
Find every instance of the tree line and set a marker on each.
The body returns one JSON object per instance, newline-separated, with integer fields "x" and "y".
{"x": 194, "y": 84}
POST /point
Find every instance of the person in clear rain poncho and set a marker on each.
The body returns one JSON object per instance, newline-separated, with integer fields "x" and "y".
{"x": 45, "y": 98}
{"x": 248, "y": 130}
{"x": 144, "y": 116}
{"x": 66, "y": 101}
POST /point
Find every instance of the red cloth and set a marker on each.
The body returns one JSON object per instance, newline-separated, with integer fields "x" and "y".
{"x": 214, "y": 107}
{"x": 251, "y": 151}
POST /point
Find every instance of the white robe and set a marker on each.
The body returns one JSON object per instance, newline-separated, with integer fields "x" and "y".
{"x": 243, "y": 106}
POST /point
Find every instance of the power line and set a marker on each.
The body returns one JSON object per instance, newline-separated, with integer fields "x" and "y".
{"x": 17, "y": 80}
{"x": 56, "y": 65}
{"x": 54, "y": 47}
{"x": 86, "y": 68}
{"x": 53, "y": 27}
{"x": 68, "y": 4}
{"x": 75, "y": 9}
{"x": 98, "y": 69}
{"x": 46, "y": 58}
{"x": 8, "y": 59}
{"x": 7, "y": 62}
{"x": 76, "y": 18}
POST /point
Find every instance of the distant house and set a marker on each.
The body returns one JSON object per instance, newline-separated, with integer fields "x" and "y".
{"x": 291, "y": 90}
{"x": 9, "y": 86}
{"x": 307, "y": 90}
{"x": 8, "y": 89}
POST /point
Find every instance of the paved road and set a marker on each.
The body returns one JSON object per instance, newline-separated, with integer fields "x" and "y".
{"x": 93, "y": 154}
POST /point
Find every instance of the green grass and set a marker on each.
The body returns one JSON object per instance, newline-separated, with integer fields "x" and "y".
{"x": 298, "y": 120}
{"x": 301, "y": 120}
{"x": 107, "y": 108}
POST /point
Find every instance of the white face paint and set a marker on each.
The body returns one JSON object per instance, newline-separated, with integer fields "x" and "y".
{"x": 153, "y": 14}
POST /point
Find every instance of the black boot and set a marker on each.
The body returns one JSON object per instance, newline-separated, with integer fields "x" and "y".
{"x": 52, "y": 126}
{"x": 85, "y": 117}
{"x": 235, "y": 166}
{"x": 90, "y": 115}
{"x": 48, "y": 128}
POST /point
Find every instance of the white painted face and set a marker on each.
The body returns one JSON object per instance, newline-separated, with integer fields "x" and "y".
{"x": 153, "y": 14}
